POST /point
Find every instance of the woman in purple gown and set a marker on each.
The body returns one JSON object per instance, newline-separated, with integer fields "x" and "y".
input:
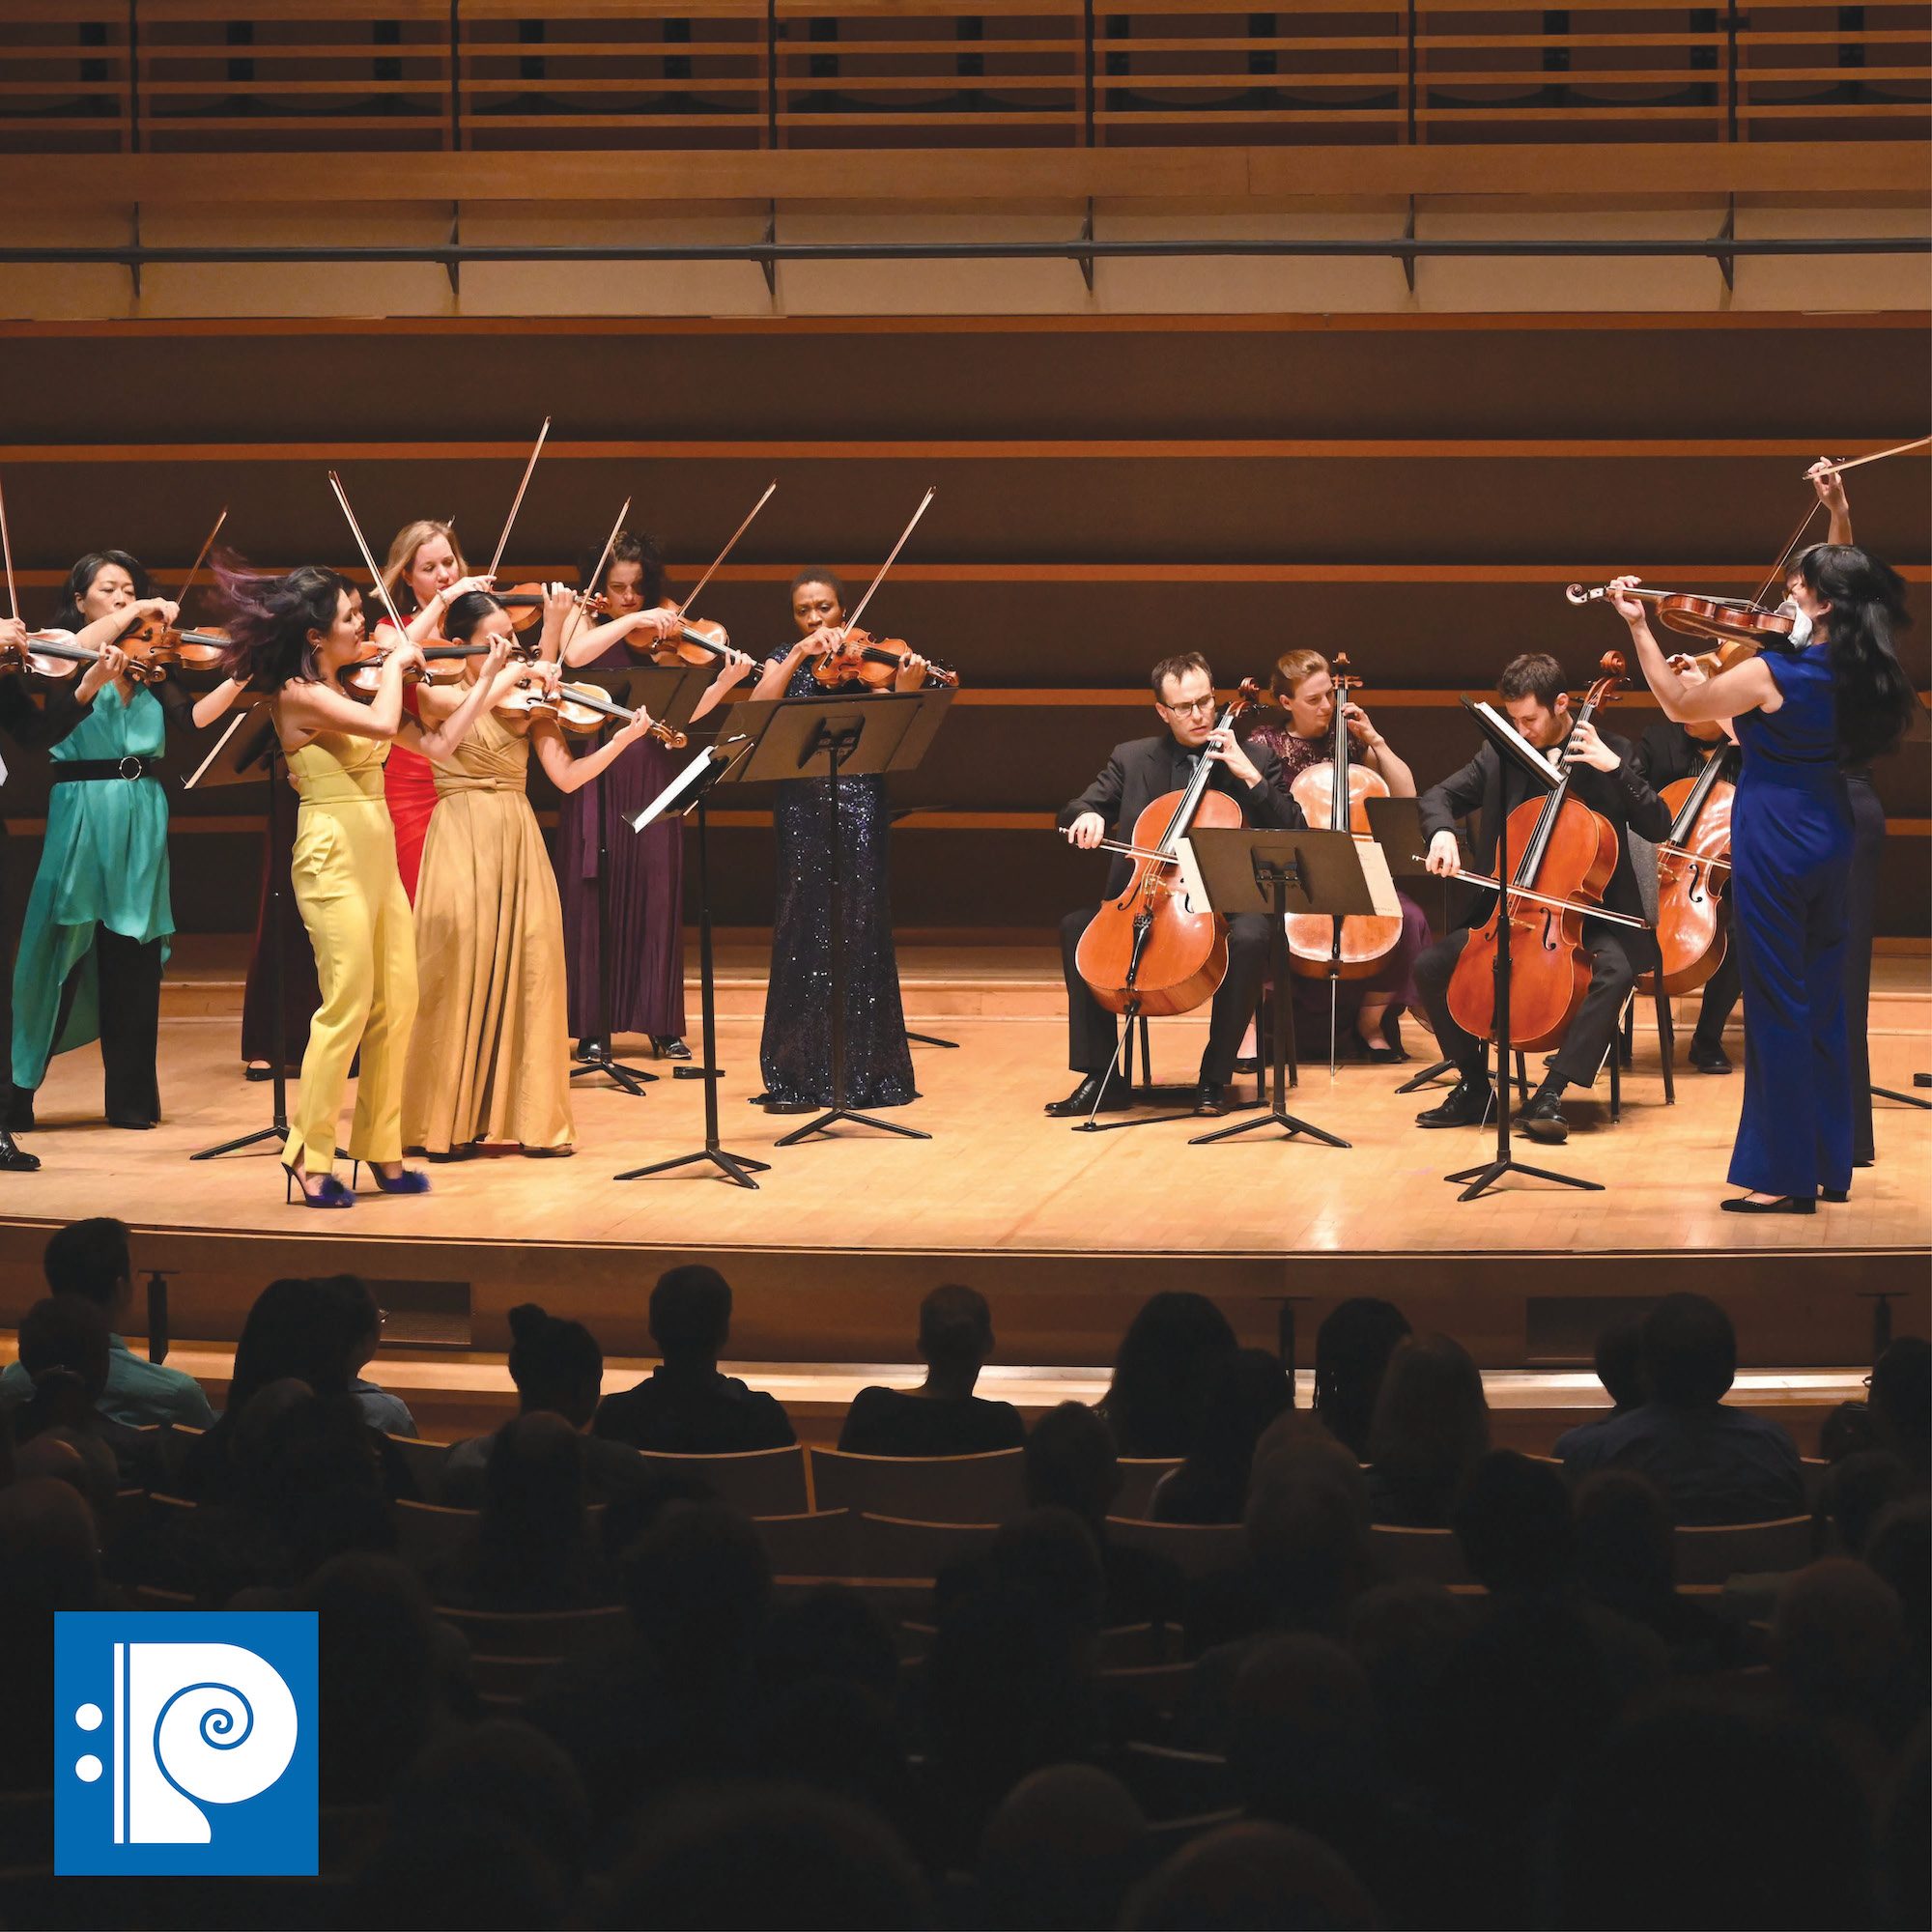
{"x": 647, "y": 868}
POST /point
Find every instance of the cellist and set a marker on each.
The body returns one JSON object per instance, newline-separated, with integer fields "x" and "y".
{"x": 1603, "y": 777}
{"x": 1137, "y": 774}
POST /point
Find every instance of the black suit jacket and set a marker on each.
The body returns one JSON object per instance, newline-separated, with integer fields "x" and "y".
{"x": 1622, "y": 796}
{"x": 1140, "y": 771}
{"x": 1667, "y": 752}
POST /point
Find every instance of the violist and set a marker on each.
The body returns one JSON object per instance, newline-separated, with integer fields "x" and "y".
{"x": 1604, "y": 777}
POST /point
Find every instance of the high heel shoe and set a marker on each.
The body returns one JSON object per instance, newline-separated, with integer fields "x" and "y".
{"x": 328, "y": 1191}
{"x": 1785, "y": 1203}
{"x": 410, "y": 1181}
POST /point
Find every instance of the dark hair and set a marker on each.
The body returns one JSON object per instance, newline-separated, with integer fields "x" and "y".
{"x": 88, "y": 1258}
{"x": 67, "y": 614}
{"x": 530, "y": 1533}
{"x": 269, "y": 619}
{"x": 1430, "y": 1426}
{"x": 555, "y": 1363}
{"x": 1534, "y": 674}
{"x": 1626, "y": 1545}
{"x": 66, "y": 1331}
{"x": 357, "y": 1314}
{"x": 1689, "y": 1351}
{"x": 1855, "y": 1492}
{"x": 461, "y": 619}
{"x": 1178, "y": 666}
{"x": 1513, "y": 1525}
{"x": 831, "y": 578}
{"x": 1070, "y": 1463}
{"x": 955, "y": 1327}
{"x": 1901, "y": 1396}
{"x": 1235, "y": 1398}
{"x": 691, "y": 1313}
{"x": 1875, "y": 698}
{"x": 293, "y": 1333}
{"x": 1352, "y": 1348}
{"x": 629, "y": 549}
{"x": 1154, "y": 1371}
{"x": 1619, "y": 1361}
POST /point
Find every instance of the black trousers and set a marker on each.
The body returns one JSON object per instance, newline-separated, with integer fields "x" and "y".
{"x": 1582, "y": 1054}
{"x": 1093, "y": 1033}
{"x": 129, "y": 986}
{"x": 1721, "y": 993}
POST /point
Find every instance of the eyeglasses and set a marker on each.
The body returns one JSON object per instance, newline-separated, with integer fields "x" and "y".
{"x": 1193, "y": 704}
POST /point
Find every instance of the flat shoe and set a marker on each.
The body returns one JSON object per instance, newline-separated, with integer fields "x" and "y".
{"x": 545, "y": 1153}
{"x": 1785, "y": 1203}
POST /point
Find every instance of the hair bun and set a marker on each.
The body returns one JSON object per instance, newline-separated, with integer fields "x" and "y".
{"x": 527, "y": 1322}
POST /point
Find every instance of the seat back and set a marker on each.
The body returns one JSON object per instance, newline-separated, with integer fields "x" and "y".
{"x": 1433, "y": 1555}
{"x": 537, "y": 1634}
{"x": 807, "y": 1543}
{"x": 427, "y": 1532}
{"x": 1139, "y": 1475}
{"x": 890, "y": 1545}
{"x": 754, "y": 1481}
{"x": 1155, "y": 1688}
{"x": 1712, "y": 1552}
{"x": 424, "y": 1461}
{"x": 1199, "y": 1550}
{"x": 988, "y": 1487}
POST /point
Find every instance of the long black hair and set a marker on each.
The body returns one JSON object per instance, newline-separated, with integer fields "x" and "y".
{"x": 270, "y": 618}
{"x": 68, "y": 616}
{"x": 461, "y": 619}
{"x": 1876, "y": 700}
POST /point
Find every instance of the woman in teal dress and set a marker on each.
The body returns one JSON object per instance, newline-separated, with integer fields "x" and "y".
{"x": 95, "y": 932}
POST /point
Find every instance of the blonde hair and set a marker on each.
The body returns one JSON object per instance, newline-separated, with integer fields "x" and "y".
{"x": 409, "y": 539}
{"x": 1291, "y": 668}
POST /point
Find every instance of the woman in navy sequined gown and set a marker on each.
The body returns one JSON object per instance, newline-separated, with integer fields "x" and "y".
{"x": 796, "y": 1053}
{"x": 1801, "y": 716}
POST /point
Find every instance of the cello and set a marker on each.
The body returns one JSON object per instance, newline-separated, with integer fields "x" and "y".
{"x": 1334, "y": 794}
{"x": 1567, "y": 853}
{"x": 1693, "y": 867}
{"x": 1148, "y": 950}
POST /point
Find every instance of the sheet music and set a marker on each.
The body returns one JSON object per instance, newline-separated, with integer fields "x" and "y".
{"x": 1375, "y": 869}
{"x": 232, "y": 725}
{"x": 668, "y": 799}
{"x": 1536, "y": 761}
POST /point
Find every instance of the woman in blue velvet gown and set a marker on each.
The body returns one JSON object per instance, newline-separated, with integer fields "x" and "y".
{"x": 795, "y": 1055}
{"x": 1836, "y": 698}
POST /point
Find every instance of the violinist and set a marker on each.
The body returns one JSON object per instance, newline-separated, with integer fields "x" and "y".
{"x": 1604, "y": 777}
{"x": 646, "y": 884}
{"x": 1804, "y": 716}
{"x": 293, "y": 635}
{"x": 95, "y": 937}
{"x": 489, "y": 1056}
{"x": 424, "y": 573}
{"x": 1138, "y": 772}
{"x": 795, "y": 1054}
{"x": 1300, "y": 736}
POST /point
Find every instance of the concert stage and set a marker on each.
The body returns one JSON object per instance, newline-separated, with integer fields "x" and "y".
{"x": 1066, "y": 1230}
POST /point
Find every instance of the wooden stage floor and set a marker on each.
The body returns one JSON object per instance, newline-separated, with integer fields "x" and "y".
{"x": 1067, "y": 1230}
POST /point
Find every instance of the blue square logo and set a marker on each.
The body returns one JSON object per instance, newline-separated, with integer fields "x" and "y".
{"x": 184, "y": 1744}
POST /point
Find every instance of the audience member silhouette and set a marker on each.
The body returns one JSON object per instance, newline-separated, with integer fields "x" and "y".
{"x": 1352, "y": 1348}
{"x": 941, "y": 1416}
{"x": 1430, "y": 1425}
{"x": 1239, "y": 1396}
{"x": 1157, "y": 1370}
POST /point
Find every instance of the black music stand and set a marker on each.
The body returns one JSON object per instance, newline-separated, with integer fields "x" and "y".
{"x": 668, "y": 693}
{"x": 1396, "y": 826}
{"x": 247, "y": 752}
{"x": 831, "y": 738}
{"x": 686, "y": 793}
{"x": 1480, "y": 1180}
{"x": 1277, "y": 873}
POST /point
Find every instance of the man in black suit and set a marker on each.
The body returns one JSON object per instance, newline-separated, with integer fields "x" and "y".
{"x": 1603, "y": 776}
{"x": 1137, "y": 774}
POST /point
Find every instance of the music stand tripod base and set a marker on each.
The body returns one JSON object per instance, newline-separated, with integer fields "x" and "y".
{"x": 601, "y": 1060}
{"x": 734, "y": 1167}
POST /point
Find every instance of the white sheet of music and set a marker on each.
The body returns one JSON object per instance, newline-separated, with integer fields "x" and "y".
{"x": 1375, "y": 869}
{"x": 1537, "y": 761}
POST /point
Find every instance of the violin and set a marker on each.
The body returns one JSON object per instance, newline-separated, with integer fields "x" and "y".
{"x": 874, "y": 662}
{"x": 55, "y": 655}
{"x": 1732, "y": 651}
{"x": 580, "y": 709}
{"x": 1737, "y": 618}
{"x": 1150, "y": 950}
{"x": 1566, "y": 852}
{"x": 1334, "y": 795}
{"x": 1694, "y": 868}
{"x": 525, "y": 602}
{"x": 152, "y": 645}
{"x": 362, "y": 676}
{"x": 699, "y": 642}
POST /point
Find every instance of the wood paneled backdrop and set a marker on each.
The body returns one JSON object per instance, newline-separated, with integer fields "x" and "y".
{"x": 1415, "y": 490}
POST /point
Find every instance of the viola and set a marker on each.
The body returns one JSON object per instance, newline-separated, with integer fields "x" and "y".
{"x": 1565, "y": 854}
{"x": 1694, "y": 869}
{"x": 1732, "y": 651}
{"x": 1738, "y": 618}
{"x": 580, "y": 709}
{"x": 525, "y": 602}
{"x": 1150, "y": 950}
{"x": 1334, "y": 795}
{"x": 874, "y": 662}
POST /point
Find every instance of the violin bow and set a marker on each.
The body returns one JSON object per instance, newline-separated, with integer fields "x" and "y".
{"x": 7, "y": 548}
{"x": 590, "y": 589}
{"x": 1832, "y": 469}
{"x": 208, "y": 544}
{"x": 1877, "y": 456}
{"x": 684, "y": 608}
{"x": 517, "y": 501}
{"x": 852, "y": 622}
{"x": 368, "y": 557}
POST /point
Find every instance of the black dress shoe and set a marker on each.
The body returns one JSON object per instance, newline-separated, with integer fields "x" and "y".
{"x": 1248, "y": 1062}
{"x": 1210, "y": 1099}
{"x": 1543, "y": 1119}
{"x": 1118, "y": 1099}
{"x": 1708, "y": 1058}
{"x": 1834, "y": 1194}
{"x": 1785, "y": 1203}
{"x": 1466, "y": 1105}
{"x": 667, "y": 1046}
{"x": 15, "y": 1160}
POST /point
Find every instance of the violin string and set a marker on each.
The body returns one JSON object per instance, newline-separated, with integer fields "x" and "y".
{"x": 7, "y": 546}
{"x": 516, "y": 502}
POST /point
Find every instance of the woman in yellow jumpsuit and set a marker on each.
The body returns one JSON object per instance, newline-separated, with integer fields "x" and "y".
{"x": 293, "y": 635}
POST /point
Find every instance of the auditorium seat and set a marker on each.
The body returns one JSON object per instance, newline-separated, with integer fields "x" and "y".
{"x": 1196, "y": 1550}
{"x": 151, "y": 1597}
{"x": 1433, "y": 1555}
{"x": 1711, "y": 1553}
{"x": 1138, "y": 1474}
{"x": 1123, "y": 1647}
{"x": 754, "y": 1481}
{"x": 807, "y": 1543}
{"x": 424, "y": 1461}
{"x": 988, "y": 1487}
{"x": 537, "y": 1634}
{"x": 1145, "y": 1691}
{"x": 427, "y": 1531}
{"x": 893, "y": 1545}
{"x": 1170, "y": 1783}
